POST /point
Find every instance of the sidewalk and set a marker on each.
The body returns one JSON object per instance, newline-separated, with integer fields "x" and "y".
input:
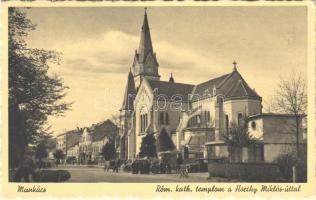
{"x": 196, "y": 175}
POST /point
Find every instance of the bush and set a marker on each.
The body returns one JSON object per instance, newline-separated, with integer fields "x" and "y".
{"x": 258, "y": 172}
{"x": 287, "y": 161}
{"x": 52, "y": 176}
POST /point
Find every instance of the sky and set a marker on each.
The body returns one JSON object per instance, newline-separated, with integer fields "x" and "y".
{"x": 194, "y": 43}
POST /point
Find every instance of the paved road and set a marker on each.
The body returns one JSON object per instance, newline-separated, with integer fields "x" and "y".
{"x": 95, "y": 174}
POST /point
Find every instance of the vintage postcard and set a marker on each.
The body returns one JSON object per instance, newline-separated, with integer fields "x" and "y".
{"x": 167, "y": 99}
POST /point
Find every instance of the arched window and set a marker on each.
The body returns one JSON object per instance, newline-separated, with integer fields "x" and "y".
{"x": 146, "y": 121}
{"x": 207, "y": 116}
{"x": 162, "y": 119}
{"x": 167, "y": 118}
{"x": 253, "y": 125}
{"x": 142, "y": 123}
{"x": 239, "y": 118}
{"x": 198, "y": 119}
{"x": 227, "y": 123}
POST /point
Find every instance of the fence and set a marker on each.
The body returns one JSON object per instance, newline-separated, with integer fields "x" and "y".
{"x": 256, "y": 172}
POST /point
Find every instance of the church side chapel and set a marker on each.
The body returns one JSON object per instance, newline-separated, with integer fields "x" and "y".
{"x": 202, "y": 122}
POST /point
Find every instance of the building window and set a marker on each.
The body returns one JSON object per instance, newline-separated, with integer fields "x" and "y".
{"x": 143, "y": 122}
{"x": 162, "y": 119}
{"x": 146, "y": 121}
{"x": 195, "y": 120}
{"x": 227, "y": 123}
{"x": 239, "y": 118}
{"x": 253, "y": 125}
{"x": 198, "y": 119}
{"x": 207, "y": 116}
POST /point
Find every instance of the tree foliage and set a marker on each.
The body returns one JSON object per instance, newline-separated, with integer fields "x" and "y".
{"x": 148, "y": 146}
{"x": 108, "y": 151}
{"x": 59, "y": 154}
{"x": 165, "y": 142}
{"x": 33, "y": 93}
{"x": 238, "y": 136}
{"x": 115, "y": 133}
{"x": 41, "y": 151}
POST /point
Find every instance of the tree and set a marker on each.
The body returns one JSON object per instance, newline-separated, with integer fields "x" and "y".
{"x": 291, "y": 98}
{"x": 108, "y": 151}
{"x": 238, "y": 137}
{"x": 165, "y": 142}
{"x": 33, "y": 93}
{"x": 116, "y": 121}
{"x": 59, "y": 155}
{"x": 116, "y": 137}
{"x": 148, "y": 146}
{"x": 41, "y": 151}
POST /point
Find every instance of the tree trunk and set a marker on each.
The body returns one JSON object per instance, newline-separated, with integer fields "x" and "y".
{"x": 297, "y": 136}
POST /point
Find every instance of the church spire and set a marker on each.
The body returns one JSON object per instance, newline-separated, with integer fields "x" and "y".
{"x": 145, "y": 45}
{"x": 145, "y": 63}
{"x": 130, "y": 93}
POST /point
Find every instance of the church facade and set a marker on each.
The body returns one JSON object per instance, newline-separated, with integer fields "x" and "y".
{"x": 194, "y": 116}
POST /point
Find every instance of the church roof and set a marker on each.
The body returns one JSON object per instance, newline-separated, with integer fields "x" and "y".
{"x": 235, "y": 87}
{"x": 171, "y": 89}
{"x": 130, "y": 93}
{"x": 207, "y": 87}
{"x": 230, "y": 86}
{"x": 240, "y": 90}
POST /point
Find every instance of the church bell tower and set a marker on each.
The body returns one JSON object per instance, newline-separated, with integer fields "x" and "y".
{"x": 145, "y": 63}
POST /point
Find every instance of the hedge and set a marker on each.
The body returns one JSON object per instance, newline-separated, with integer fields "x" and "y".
{"x": 52, "y": 176}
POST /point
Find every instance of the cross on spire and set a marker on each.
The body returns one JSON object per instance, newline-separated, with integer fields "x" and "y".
{"x": 145, "y": 10}
{"x": 171, "y": 78}
{"x": 235, "y": 65}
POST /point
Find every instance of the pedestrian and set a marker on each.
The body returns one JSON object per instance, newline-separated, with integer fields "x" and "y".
{"x": 179, "y": 161}
{"x": 116, "y": 163}
{"x": 105, "y": 166}
{"x": 162, "y": 167}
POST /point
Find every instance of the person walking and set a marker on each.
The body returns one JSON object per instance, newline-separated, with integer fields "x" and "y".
{"x": 116, "y": 165}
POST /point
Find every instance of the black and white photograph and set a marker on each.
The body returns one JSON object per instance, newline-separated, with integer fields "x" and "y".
{"x": 158, "y": 94}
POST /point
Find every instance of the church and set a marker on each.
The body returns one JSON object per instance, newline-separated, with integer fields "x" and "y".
{"x": 193, "y": 116}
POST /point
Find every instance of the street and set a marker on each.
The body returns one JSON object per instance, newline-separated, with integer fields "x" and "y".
{"x": 97, "y": 174}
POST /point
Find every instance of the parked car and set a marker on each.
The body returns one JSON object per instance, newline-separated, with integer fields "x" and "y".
{"x": 141, "y": 166}
{"x": 154, "y": 168}
{"x": 196, "y": 165}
